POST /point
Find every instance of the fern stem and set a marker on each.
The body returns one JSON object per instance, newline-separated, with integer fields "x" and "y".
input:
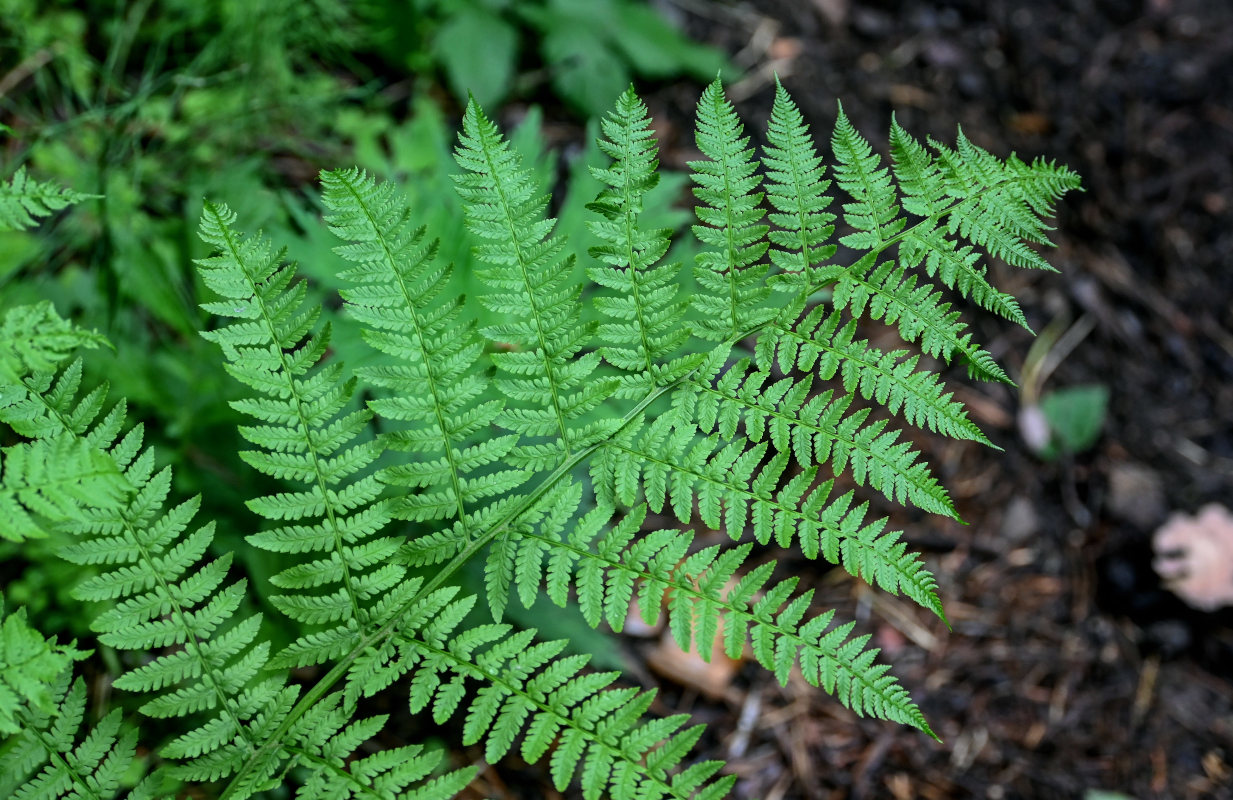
{"x": 238, "y": 257}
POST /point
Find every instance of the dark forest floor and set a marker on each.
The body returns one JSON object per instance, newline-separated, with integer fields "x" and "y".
{"x": 1069, "y": 668}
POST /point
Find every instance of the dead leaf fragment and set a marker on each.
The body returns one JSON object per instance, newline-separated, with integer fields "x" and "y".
{"x": 1194, "y": 556}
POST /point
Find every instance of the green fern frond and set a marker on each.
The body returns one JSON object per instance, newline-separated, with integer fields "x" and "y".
{"x": 35, "y": 339}
{"x": 326, "y": 739}
{"x": 874, "y": 212}
{"x": 52, "y": 479}
{"x": 731, "y": 274}
{"x": 796, "y": 189}
{"x": 165, "y": 588}
{"x": 23, "y": 200}
{"x": 813, "y": 427}
{"x": 49, "y": 758}
{"x": 703, "y": 597}
{"x": 646, "y": 328}
{"x": 29, "y": 665}
{"x": 306, "y": 438}
{"x": 548, "y": 381}
{"x": 887, "y": 293}
{"x": 527, "y": 689}
{"x": 667, "y": 462}
{"x": 818, "y": 341}
{"x": 436, "y": 382}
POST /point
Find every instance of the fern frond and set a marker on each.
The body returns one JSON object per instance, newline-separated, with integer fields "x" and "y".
{"x": 820, "y": 340}
{"x": 49, "y": 758}
{"x": 874, "y": 212}
{"x": 666, "y": 462}
{"x": 646, "y": 328}
{"x": 548, "y": 382}
{"x": 796, "y": 189}
{"x": 326, "y": 739}
{"x": 887, "y": 293}
{"x": 526, "y": 689}
{"x": 705, "y": 600}
{"x": 23, "y": 200}
{"x": 52, "y": 479}
{"x": 165, "y": 588}
{"x": 436, "y": 383}
{"x": 307, "y": 438}
{"x": 731, "y": 274}
{"x": 815, "y": 428}
{"x": 29, "y": 666}
{"x": 35, "y": 339}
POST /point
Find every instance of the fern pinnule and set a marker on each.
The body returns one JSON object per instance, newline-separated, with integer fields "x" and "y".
{"x": 645, "y": 327}
{"x": 731, "y": 272}
{"x": 548, "y": 381}
{"x": 307, "y": 437}
{"x": 436, "y": 381}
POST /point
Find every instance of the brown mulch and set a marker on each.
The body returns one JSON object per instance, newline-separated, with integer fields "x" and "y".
{"x": 1069, "y": 668}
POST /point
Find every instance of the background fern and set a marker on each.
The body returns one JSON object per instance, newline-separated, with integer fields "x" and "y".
{"x": 602, "y": 422}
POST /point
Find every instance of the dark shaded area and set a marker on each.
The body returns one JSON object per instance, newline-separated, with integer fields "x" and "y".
{"x": 1069, "y": 667}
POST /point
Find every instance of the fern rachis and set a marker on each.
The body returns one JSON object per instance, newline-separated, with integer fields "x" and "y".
{"x": 553, "y": 502}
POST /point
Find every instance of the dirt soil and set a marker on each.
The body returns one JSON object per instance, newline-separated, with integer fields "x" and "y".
{"x": 1070, "y": 669}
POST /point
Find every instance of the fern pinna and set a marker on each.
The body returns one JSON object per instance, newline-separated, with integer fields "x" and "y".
{"x": 743, "y": 408}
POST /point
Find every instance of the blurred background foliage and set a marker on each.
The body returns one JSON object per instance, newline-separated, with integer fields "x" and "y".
{"x": 158, "y": 104}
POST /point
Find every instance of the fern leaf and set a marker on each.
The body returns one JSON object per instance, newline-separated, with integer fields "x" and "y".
{"x": 167, "y": 588}
{"x": 527, "y": 689}
{"x": 50, "y": 758}
{"x": 29, "y": 663}
{"x": 887, "y": 293}
{"x": 23, "y": 200}
{"x": 797, "y": 191}
{"x": 646, "y": 328}
{"x": 543, "y": 374}
{"x": 706, "y": 598}
{"x": 436, "y": 382}
{"x": 307, "y": 437}
{"x": 50, "y": 480}
{"x": 731, "y": 274}
{"x": 924, "y": 193}
{"x": 820, "y": 340}
{"x": 874, "y": 212}
{"x": 35, "y": 339}
{"x": 815, "y": 429}
{"x": 326, "y": 739}
{"x": 673, "y": 468}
